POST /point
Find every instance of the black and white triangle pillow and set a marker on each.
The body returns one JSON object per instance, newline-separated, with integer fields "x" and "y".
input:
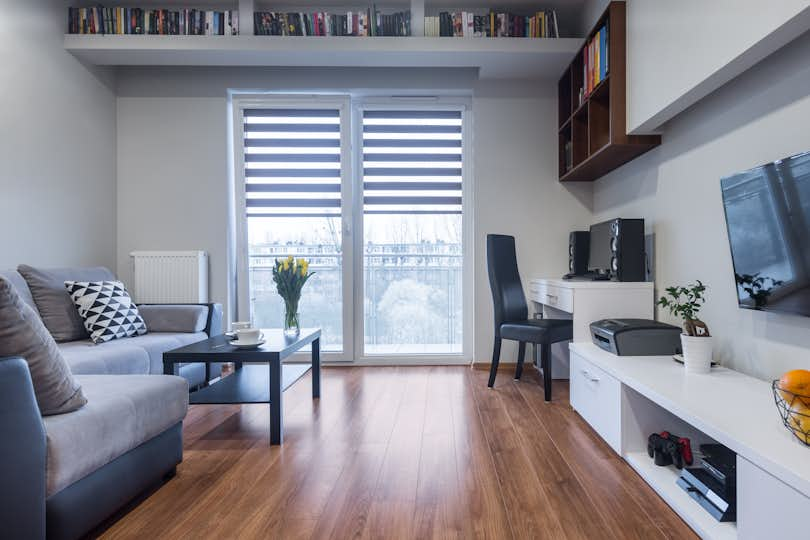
{"x": 107, "y": 309}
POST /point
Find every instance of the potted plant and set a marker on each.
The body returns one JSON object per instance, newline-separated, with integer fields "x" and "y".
{"x": 290, "y": 275}
{"x": 685, "y": 302}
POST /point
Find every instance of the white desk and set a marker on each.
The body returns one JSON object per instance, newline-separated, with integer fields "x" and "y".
{"x": 585, "y": 302}
{"x": 626, "y": 398}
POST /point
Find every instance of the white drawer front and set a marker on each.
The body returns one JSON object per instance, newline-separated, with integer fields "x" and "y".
{"x": 558, "y": 297}
{"x": 767, "y": 507}
{"x": 596, "y": 396}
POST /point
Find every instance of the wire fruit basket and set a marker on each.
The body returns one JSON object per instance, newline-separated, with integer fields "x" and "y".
{"x": 795, "y": 411}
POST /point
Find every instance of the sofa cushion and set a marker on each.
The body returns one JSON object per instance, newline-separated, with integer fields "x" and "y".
{"x": 140, "y": 354}
{"x": 23, "y": 334}
{"x": 174, "y": 317}
{"x": 53, "y": 301}
{"x": 20, "y": 285}
{"x": 123, "y": 411}
{"x": 107, "y": 309}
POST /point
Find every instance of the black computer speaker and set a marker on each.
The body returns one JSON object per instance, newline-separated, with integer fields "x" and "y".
{"x": 578, "y": 249}
{"x": 627, "y": 261}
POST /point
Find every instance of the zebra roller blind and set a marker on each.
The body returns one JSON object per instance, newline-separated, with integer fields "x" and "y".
{"x": 292, "y": 162}
{"x": 412, "y": 162}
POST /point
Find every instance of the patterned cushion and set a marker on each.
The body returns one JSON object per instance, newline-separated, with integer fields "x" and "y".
{"x": 107, "y": 309}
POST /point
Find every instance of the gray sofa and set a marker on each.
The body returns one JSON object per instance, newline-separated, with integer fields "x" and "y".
{"x": 170, "y": 326}
{"x": 62, "y": 475}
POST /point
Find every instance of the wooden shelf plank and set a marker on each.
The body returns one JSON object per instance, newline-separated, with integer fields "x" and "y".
{"x": 495, "y": 57}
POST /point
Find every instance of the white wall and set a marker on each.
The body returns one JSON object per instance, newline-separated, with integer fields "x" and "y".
{"x": 760, "y": 117}
{"x": 178, "y": 119}
{"x": 57, "y": 145}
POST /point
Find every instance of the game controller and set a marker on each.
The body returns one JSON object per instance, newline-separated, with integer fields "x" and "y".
{"x": 667, "y": 449}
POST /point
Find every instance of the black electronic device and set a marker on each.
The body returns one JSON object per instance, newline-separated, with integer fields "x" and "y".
{"x": 720, "y": 462}
{"x": 719, "y": 500}
{"x": 578, "y": 250}
{"x": 636, "y": 337}
{"x": 617, "y": 249}
{"x": 768, "y": 226}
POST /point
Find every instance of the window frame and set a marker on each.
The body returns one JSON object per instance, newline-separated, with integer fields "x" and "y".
{"x": 467, "y": 231}
{"x": 351, "y": 113}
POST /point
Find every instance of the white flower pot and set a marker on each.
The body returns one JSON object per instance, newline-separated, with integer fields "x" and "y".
{"x": 697, "y": 353}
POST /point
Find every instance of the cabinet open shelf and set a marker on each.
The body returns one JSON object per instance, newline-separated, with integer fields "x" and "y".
{"x": 593, "y": 130}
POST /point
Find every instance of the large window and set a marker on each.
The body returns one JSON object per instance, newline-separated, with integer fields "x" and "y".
{"x": 386, "y": 237}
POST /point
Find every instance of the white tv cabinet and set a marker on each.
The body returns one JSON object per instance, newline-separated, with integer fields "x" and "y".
{"x": 625, "y": 399}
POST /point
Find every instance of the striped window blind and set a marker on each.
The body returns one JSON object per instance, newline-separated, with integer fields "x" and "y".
{"x": 292, "y": 162}
{"x": 412, "y": 162}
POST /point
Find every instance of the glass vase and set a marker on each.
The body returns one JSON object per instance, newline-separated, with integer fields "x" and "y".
{"x": 291, "y": 326}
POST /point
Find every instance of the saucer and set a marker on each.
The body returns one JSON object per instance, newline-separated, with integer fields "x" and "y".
{"x": 247, "y": 345}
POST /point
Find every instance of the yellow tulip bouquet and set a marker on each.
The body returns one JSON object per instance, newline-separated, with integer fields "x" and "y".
{"x": 290, "y": 275}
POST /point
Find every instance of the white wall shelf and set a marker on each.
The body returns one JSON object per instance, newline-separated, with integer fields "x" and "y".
{"x": 495, "y": 57}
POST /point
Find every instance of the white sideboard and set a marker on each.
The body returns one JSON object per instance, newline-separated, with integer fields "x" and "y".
{"x": 625, "y": 399}
{"x": 586, "y": 301}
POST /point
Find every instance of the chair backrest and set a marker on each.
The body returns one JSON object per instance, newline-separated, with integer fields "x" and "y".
{"x": 504, "y": 281}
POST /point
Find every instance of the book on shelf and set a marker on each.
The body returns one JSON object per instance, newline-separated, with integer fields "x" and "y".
{"x": 172, "y": 22}
{"x": 542, "y": 24}
{"x": 370, "y": 22}
{"x": 595, "y": 64}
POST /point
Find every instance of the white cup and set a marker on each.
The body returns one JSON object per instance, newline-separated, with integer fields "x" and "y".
{"x": 237, "y": 325}
{"x": 249, "y": 335}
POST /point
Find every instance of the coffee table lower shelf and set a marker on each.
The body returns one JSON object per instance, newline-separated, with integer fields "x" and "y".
{"x": 250, "y": 384}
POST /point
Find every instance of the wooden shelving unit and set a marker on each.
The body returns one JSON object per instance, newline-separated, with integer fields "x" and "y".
{"x": 595, "y": 131}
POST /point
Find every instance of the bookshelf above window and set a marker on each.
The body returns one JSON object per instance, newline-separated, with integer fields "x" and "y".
{"x": 495, "y": 58}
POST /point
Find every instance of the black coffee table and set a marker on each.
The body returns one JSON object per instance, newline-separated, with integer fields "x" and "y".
{"x": 261, "y": 376}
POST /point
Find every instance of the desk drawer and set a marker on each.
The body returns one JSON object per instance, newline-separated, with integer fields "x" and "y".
{"x": 596, "y": 396}
{"x": 557, "y": 297}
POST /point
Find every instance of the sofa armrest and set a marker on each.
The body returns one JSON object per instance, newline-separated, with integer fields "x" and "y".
{"x": 183, "y": 317}
{"x": 22, "y": 453}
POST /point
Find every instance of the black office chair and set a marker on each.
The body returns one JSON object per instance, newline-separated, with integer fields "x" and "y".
{"x": 512, "y": 314}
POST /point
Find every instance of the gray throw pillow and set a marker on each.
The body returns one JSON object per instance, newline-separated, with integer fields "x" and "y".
{"x": 23, "y": 334}
{"x": 58, "y": 312}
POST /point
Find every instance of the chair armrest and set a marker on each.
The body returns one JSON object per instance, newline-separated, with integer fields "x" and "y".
{"x": 183, "y": 317}
{"x": 22, "y": 453}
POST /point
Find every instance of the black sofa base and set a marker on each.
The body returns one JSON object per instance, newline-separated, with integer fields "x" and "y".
{"x": 80, "y": 507}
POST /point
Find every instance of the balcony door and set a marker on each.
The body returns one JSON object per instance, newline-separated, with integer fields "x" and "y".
{"x": 294, "y": 197}
{"x": 374, "y": 197}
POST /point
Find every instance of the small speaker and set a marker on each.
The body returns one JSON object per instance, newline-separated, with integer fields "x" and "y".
{"x": 578, "y": 249}
{"x": 627, "y": 261}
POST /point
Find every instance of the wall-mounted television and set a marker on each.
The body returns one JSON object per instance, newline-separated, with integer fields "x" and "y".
{"x": 768, "y": 219}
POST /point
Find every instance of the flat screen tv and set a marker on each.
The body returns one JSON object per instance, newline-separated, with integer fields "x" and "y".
{"x": 768, "y": 219}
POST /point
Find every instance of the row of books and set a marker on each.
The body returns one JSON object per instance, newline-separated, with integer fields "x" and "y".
{"x": 542, "y": 24}
{"x": 363, "y": 23}
{"x": 595, "y": 65}
{"x": 120, "y": 20}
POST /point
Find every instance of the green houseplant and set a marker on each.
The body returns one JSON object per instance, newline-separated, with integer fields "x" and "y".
{"x": 684, "y": 302}
{"x": 290, "y": 275}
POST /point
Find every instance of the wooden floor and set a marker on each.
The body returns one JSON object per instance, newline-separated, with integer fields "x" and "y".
{"x": 402, "y": 452}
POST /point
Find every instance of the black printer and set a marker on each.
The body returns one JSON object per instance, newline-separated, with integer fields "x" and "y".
{"x": 636, "y": 337}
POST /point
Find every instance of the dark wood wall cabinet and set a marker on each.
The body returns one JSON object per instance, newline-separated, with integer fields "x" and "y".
{"x": 593, "y": 137}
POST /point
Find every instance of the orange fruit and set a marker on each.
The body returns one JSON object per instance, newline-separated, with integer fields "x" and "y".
{"x": 797, "y": 382}
{"x": 799, "y": 420}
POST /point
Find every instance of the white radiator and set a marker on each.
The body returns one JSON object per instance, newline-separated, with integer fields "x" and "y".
{"x": 169, "y": 276}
